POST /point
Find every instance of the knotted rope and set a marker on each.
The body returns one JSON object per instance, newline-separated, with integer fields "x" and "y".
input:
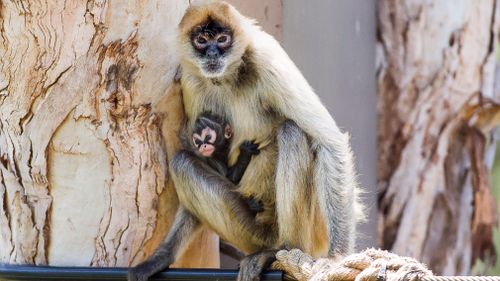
{"x": 369, "y": 265}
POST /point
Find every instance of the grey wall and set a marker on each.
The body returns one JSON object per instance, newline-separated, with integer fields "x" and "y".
{"x": 333, "y": 43}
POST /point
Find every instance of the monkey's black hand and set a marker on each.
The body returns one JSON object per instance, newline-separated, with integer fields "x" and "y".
{"x": 252, "y": 266}
{"x": 139, "y": 273}
{"x": 255, "y": 205}
{"x": 250, "y": 147}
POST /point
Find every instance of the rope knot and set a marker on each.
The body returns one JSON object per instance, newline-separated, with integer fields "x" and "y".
{"x": 369, "y": 265}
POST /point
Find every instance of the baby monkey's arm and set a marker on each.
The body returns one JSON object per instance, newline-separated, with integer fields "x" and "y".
{"x": 247, "y": 149}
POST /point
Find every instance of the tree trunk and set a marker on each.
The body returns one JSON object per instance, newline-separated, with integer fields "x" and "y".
{"x": 88, "y": 118}
{"x": 436, "y": 106}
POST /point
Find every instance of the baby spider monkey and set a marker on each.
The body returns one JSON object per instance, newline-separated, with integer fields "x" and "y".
{"x": 211, "y": 139}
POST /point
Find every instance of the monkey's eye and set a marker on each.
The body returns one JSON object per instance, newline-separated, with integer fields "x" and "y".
{"x": 224, "y": 40}
{"x": 207, "y": 139}
{"x": 196, "y": 140}
{"x": 200, "y": 42}
{"x": 213, "y": 136}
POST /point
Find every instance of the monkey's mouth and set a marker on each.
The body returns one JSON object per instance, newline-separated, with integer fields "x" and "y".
{"x": 213, "y": 67}
{"x": 207, "y": 150}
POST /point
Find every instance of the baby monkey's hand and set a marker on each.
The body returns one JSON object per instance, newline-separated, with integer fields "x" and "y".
{"x": 250, "y": 147}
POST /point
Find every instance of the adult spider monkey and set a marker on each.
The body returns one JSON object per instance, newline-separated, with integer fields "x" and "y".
{"x": 304, "y": 173}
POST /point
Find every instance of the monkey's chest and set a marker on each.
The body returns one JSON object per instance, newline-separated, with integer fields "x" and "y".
{"x": 250, "y": 121}
{"x": 248, "y": 116}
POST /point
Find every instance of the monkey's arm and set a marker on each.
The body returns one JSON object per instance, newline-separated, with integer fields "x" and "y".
{"x": 185, "y": 226}
{"x": 247, "y": 149}
{"x": 231, "y": 251}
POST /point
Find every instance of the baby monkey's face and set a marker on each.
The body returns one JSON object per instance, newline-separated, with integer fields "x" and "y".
{"x": 211, "y": 136}
{"x": 205, "y": 141}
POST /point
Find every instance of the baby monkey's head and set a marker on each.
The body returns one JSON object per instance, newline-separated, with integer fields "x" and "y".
{"x": 211, "y": 135}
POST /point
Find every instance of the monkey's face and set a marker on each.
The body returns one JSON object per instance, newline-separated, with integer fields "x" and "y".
{"x": 211, "y": 43}
{"x": 205, "y": 141}
{"x": 210, "y": 136}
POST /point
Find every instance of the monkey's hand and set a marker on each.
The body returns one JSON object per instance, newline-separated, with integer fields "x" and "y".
{"x": 250, "y": 147}
{"x": 141, "y": 272}
{"x": 252, "y": 266}
{"x": 255, "y": 205}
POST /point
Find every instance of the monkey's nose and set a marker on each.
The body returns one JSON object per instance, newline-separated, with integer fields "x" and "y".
{"x": 207, "y": 150}
{"x": 212, "y": 52}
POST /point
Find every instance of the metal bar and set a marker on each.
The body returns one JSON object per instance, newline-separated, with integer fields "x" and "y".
{"x": 45, "y": 273}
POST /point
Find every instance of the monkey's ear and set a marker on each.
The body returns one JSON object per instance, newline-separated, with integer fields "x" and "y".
{"x": 228, "y": 132}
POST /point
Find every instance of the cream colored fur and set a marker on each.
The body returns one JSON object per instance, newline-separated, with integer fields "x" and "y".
{"x": 325, "y": 225}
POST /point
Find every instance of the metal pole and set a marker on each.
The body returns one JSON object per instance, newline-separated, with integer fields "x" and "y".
{"x": 43, "y": 273}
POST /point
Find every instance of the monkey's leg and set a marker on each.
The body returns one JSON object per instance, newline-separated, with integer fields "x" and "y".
{"x": 211, "y": 198}
{"x": 320, "y": 196}
{"x": 336, "y": 199}
{"x": 183, "y": 229}
{"x": 336, "y": 186}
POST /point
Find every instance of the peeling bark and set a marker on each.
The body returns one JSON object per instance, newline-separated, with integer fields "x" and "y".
{"x": 437, "y": 105}
{"x": 88, "y": 118}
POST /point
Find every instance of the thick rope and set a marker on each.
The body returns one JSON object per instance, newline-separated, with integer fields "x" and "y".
{"x": 461, "y": 278}
{"x": 369, "y": 265}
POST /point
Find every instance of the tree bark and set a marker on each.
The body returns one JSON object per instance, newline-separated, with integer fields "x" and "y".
{"x": 88, "y": 118}
{"x": 437, "y": 106}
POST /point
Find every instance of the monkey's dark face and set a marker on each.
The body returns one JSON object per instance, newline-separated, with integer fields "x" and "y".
{"x": 210, "y": 136}
{"x": 211, "y": 43}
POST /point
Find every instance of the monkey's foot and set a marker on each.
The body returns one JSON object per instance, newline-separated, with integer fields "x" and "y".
{"x": 252, "y": 266}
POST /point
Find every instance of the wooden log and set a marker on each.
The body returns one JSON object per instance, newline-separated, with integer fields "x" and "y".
{"x": 88, "y": 115}
{"x": 436, "y": 72}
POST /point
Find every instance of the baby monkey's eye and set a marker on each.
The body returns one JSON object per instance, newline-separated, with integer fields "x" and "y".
{"x": 201, "y": 40}
{"x": 197, "y": 140}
